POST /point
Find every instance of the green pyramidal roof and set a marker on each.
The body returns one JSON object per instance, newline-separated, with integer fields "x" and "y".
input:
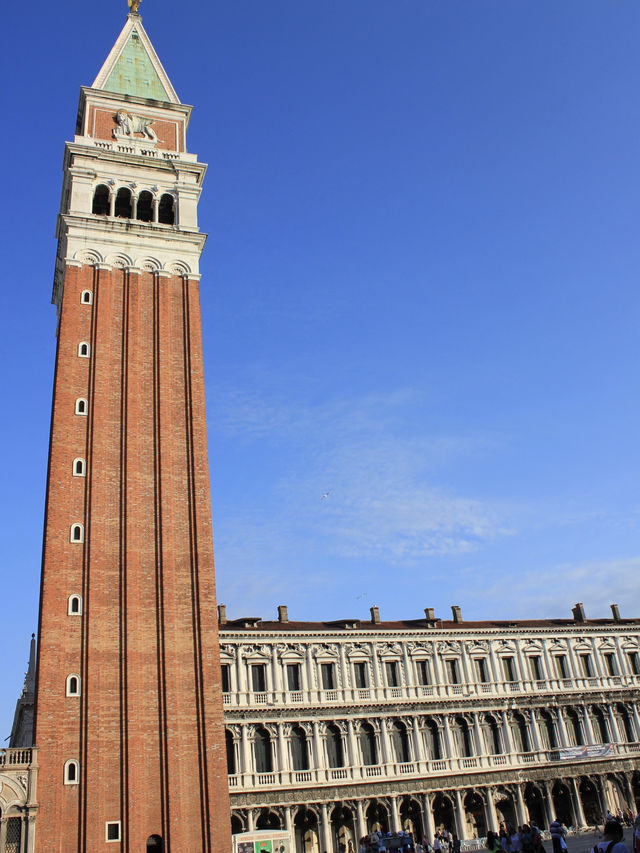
{"x": 133, "y": 67}
{"x": 134, "y": 74}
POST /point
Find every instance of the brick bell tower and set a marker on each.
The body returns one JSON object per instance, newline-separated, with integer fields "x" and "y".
{"x": 129, "y": 724}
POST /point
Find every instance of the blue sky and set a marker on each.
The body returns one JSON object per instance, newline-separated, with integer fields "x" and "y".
{"x": 419, "y": 295}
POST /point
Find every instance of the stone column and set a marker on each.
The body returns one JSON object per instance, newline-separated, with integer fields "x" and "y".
{"x": 276, "y": 669}
{"x": 319, "y": 763}
{"x": 112, "y": 212}
{"x": 602, "y": 794}
{"x": 362, "y": 826}
{"x": 241, "y": 673}
{"x": 282, "y": 750}
{"x": 427, "y": 811}
{"x": 352, "y": 746}
{"x": 408, "y": 678}
{"x": 245, "y": 752}
{"x": 459, "y": 816}
{"x": 588, "y": 730}
{"x": 490, "y": 812}
{"x": 549, "y": 808}
{"x": 288, "y": 822}
{"x": 395, "y": 817}
{"x": 309, "y": 667}
{"x": 614, "y": 736}
{"x": 384, "y": 742}
{"x": 535, "y": 732}
{"x": 562, "y": 729}
{"x": 479, "y": 750}
{"x": 496, "y": 675}
{"x": 506, "y": 733}
{"x": 577, "y": 803}
{"x": 448, "y": 742}
{"x": 417, "y": 741}
{"x": 327, "y": 841}
{"x": 250, "y": 820}
{"x": 521, "y": 810}
{"x": 156, "y": 205}
{"x": 631, "y": 800}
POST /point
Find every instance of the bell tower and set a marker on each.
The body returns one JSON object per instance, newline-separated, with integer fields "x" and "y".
{"x": 129, "y": 724}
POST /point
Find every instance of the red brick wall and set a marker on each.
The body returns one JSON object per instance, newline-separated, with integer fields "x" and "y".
{"x": 148, "y": 727}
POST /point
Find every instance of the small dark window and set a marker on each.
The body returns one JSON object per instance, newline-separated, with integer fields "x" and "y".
{"x": 77, "y": 533}
{"x": 123, "y": 203}
{"x": 452, "y": 671}
{"x": 258, "y": 678}
{"x": 71, "y": 772}
{"x": 87, "y": 297}
{"x": 145, "y": 207}
{"x": 224, "y": 669}
{"x": 392, "y": 671}
{"x": 293, "y": 676}
{"x": 75, "y": 605}
{"x": 83, "y": 350}
{"x": 561, "y": 666}
{"x": 154, "y": 844}
{"x": 166, "y": 214}
{"x": 400, "y": 741}
{"x": 79, "y": 468}
{"x": 634, "y": 662}
{"x": 81, "y": 406}
{"x": 73, "y": 686}
{"x": 113, "y": 831}
{"x": 328, "y": 676}
{"x": 101, "y": 201}
{"x": 360, "y": 671}
{"x": 610, "y": 663}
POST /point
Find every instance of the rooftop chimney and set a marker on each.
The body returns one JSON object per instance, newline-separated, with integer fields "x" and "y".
{"x": 578, "y": 613}
{"x": 375, "y": 614}
{"x": 222, "y": 614}
{"x": 283, "y": 615}
{"x": 430, "y": 614}
{"x": 615, "y": 612}
{"x": 456, "y": 613}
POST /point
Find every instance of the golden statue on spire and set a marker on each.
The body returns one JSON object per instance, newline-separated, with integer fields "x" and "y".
{"x": 133, "y": 6}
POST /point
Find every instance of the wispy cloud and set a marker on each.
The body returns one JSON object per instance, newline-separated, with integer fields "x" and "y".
{"x": 596, "y": 584}
{"x": 384, "y": 499}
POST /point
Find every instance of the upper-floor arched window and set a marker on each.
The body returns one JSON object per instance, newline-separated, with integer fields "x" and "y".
{"x": 548, "y": 731}
{"x": 145, "y": 207}
{"x": 400, "y": 741}
{"x": 462, "y": 735}
{"x": 100, "y": 204}
{"x": 335, "y": 750}
{"x": 299, "y": 749}
{"x": 368, "y": 744}
{"x": 434, "y": 743}
{"x": 166, "y": 210}
{"x": 84, "y": 349}
{"x": 492, "y": 736}
{"x": 262, "y": 749}
{"x": 123, "y": 203}
{"x": 574, "y": 729}
{"x": 86, "y": 297}
{"x": 82, "y": 406}
{"x": 79, "y": 467}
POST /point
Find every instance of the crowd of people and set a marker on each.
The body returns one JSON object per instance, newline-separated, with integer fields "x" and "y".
{"x": 522, "y": 839}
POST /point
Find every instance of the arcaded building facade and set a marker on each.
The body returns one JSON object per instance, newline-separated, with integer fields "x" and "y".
{"x": 333, "y": 728}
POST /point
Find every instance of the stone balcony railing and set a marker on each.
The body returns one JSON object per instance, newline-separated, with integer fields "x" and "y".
{"x": 16, "y": 758}
{"x": 431, "y": 692}
{"x": 412, "y": 769}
